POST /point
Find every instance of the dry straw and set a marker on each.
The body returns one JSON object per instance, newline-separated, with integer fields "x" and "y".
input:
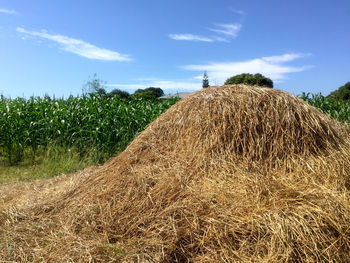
{"x": 229, "y": 174}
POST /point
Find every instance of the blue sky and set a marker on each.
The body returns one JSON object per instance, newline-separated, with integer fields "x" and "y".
{"x": 54, "y": 47}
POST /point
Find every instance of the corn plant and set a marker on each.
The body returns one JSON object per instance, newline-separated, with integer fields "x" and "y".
{"x": 84, "y": 123}
{"x": 339, "y": 110}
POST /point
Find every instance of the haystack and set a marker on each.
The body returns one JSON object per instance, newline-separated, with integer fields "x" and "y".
{"x": 229, "y": 174}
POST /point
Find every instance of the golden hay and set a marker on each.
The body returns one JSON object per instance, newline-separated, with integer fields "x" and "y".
{"x": 229, "y": 174}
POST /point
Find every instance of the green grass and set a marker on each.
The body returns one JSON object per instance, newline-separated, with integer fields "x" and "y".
{"x": 53, "y": 163}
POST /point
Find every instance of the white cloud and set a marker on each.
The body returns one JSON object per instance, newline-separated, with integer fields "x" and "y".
{"x": 8, "y": 11}
{"x": 166, "y": 85}
{"x": 271, "y": 67}
{"x": 228, "y": 30}
{"x": 78, "y": 47}
{"x": 224, "y": 32}
{"x": 220, "y": 39}
{"x": 285, "y": 57}
{"x": 190, "y": 37}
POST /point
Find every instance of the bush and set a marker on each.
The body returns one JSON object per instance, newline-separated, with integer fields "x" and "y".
{"x": 250, "y": 79}
{"x": 342, "y": 93}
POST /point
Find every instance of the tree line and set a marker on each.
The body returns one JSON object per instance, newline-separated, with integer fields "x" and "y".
{"x": 97, "y": 87}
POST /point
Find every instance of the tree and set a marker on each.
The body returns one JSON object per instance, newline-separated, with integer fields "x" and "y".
{"x": 205, "y": 81}
{"x": 250, "y": 79}
{"x": 120, "y": 93}
{"x": 342, "y": 93}
{"x": 150, "y": 92}
{"x": 95, "y": 86}
{"x": 145, "y": 94}
{"x": 157, "y": 91}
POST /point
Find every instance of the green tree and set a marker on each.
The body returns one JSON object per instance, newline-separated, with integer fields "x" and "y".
{"x": 145, "y": 94}
{"x": 250, "y": 79}
{"x": 205, "y": 81}
{"x": 342, "y": 93}
{"x": 156, "y": 92}
{"x": 117, "y": 92}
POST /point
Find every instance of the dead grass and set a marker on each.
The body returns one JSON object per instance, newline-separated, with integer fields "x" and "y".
{"x": 229, "y": 174}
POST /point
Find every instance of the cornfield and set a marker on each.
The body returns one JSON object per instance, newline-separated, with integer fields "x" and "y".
{"x": 106, "y": 125}
{"x": 339, "y": 110}
{"x": 83, "y": 123}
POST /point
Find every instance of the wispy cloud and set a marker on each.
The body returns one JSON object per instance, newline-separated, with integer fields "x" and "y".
{"x": 166, "y": 85}
{"x": 272, "y": 67}
{"x": 228, "y": 30}
{"x": 224, "y": 32}
{"x": 8, "y": 11}
{"x": 285, "y": 57}
{"x": 190, "y": 37}
{"x": 78, "y": 47}
{"x": 238, "y": 11}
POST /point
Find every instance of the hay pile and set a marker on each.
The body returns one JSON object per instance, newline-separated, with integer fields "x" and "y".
{"x": 229, "y": 174}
